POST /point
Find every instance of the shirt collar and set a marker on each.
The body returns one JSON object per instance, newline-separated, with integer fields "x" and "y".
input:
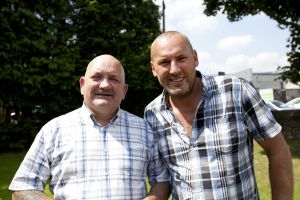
{"x": 89, "y": 117}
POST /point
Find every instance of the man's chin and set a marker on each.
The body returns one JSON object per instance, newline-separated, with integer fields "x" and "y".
{"x": 101, "y": 102}
{"x": 175, "y": 92}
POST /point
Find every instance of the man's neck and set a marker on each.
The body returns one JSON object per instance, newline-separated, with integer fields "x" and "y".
{"x": 189, "y": 102}
{"x": 185, "y": 107}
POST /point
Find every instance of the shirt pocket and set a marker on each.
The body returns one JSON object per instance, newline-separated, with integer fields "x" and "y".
{"x": 131, "y": 162}
{"x": 226, "y": 137}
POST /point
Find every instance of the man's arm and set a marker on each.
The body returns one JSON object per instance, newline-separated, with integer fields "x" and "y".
{"x": 159, "y": 191}
{"x": 30, "y": 195}
{"x": 280, "y": 167}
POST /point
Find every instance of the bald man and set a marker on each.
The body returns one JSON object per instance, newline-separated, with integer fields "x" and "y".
{"x": 206, "y": 125}
{"x": 98, "y": 151}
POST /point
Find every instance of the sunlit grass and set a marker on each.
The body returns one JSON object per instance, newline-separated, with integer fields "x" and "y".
{"x": 261, "y": 170}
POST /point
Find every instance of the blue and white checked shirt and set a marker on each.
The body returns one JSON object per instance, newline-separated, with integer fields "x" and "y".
{"x": 86, "y": 161}
{"x": 217, "y": 161}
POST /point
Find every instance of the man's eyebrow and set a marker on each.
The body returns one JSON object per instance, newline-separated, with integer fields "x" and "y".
{"x": 95, "y": 74}
{"x": 115, "y": 76}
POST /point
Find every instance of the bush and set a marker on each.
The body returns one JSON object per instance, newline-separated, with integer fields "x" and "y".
{"x": 17, "y": 135}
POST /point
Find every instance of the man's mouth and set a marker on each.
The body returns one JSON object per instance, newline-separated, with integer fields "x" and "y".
{"x": 176, "y": 79}
{"x": 103, "y": 94}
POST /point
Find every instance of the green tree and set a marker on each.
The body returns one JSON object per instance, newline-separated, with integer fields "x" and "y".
{"x": 124, "y": 29}
{"x": 46, "y": 46}
{"x": 36, "y": 58}
{"x": 37, "y": 67}
{"x": 285, "y": 12}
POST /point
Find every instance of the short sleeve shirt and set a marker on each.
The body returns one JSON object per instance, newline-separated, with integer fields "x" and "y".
{"x": 216, "y": 162}
{"x": 84, "y": 160}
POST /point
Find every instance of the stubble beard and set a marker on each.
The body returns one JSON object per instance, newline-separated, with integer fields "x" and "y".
{"x": 178, "y": 92}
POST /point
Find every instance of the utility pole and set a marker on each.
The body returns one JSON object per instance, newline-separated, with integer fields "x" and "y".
{"x": 163, "y": 16}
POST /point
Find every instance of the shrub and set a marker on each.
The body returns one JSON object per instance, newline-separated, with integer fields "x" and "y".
{"x": 17, "y": 135}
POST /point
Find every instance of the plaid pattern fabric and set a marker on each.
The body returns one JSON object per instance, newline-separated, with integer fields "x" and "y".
{"x": 86, "y": 161}
{"x": 217, "y": 161}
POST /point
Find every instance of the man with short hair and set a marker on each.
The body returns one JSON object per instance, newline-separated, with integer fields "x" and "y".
{"x": 205, "y": 128}
{"x": 98, "y": 151}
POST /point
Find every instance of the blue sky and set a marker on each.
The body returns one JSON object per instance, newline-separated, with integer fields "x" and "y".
{"x": 254, "y": 42}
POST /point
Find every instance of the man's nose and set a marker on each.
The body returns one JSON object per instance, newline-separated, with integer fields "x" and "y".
{"x": 104, "y": 83}
{"x": 174, "y": 68}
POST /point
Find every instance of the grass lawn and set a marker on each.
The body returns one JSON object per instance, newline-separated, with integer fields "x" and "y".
{"x": 261, "y": 170}
{"x": 9, "y": 165}
{"x": 10, "y": 162}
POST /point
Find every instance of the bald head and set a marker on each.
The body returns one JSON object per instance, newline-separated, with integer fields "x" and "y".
{"x": 103, "y": 87}
{"x": 174, "y": 62}
{"x": 105, "y": 61}
{"x": 165, "y": 38}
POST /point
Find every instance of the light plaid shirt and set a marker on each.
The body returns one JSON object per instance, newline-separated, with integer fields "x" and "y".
{"x": 217, "y": 161}
{"x": 86, "y": 161}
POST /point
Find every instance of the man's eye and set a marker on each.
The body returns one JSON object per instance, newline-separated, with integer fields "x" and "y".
{"x": 182, "y": 59}
{"x": 96, "y": 78}
{"x": 115, "y": 80}
{"x": 164, "y": 63}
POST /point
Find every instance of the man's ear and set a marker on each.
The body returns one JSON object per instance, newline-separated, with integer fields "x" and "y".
{"x": 153, "y": 69}
{"x": 196, "y": 58}
{"x": 81, "y": 83}
{"x": 125, "y": 89}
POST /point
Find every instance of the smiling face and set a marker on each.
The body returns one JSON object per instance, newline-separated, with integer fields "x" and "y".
{"x": 174, "y": 63}
{"x": 103, "y": 86}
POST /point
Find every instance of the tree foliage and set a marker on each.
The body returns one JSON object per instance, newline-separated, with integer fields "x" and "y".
{"x": 124, "y": 29}
{"x": 46, "y": 46}
{"x": 285, "y": 12}
{"x": 37, "y": 65}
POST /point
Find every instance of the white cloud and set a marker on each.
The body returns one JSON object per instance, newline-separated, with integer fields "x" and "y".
{"x": 234, "y": 43}
{"x": 267, "y": 61}
{"x": 187, "y": 16}
{"x": 198, "y": 23}
{"x": 247, "y": 47}
{"x": 203, "y": 56}
{"x": 262, "y": 62}
{"x": 206, "y": 64}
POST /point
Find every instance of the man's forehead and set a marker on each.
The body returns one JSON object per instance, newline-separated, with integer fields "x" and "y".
{"x": 102, "y": 68}
{"x": 168, "y": 46}
{"x": 166, "y": 40}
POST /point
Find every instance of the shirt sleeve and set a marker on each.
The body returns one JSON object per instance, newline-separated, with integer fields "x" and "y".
{"x": 259, "y": 119}
{"x": 34, "y": 170}
{"x": 157, "y": 171}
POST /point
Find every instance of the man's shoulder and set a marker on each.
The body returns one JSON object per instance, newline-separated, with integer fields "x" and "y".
{"x": 224, "y": 81}
{"x": 155, "y": 103}
{"x": 221, "y": 79}
{"x": 129, "y": 115}
{"x": 131, "y": 120}
{"x": 64, "y": 119}
{"x": 68, "y": 121}
{"x": 71, "y": 114}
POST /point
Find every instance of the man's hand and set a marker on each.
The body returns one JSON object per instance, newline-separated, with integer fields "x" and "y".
{"x": 30, "y": 195}
{"x": 159, "y": 191}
